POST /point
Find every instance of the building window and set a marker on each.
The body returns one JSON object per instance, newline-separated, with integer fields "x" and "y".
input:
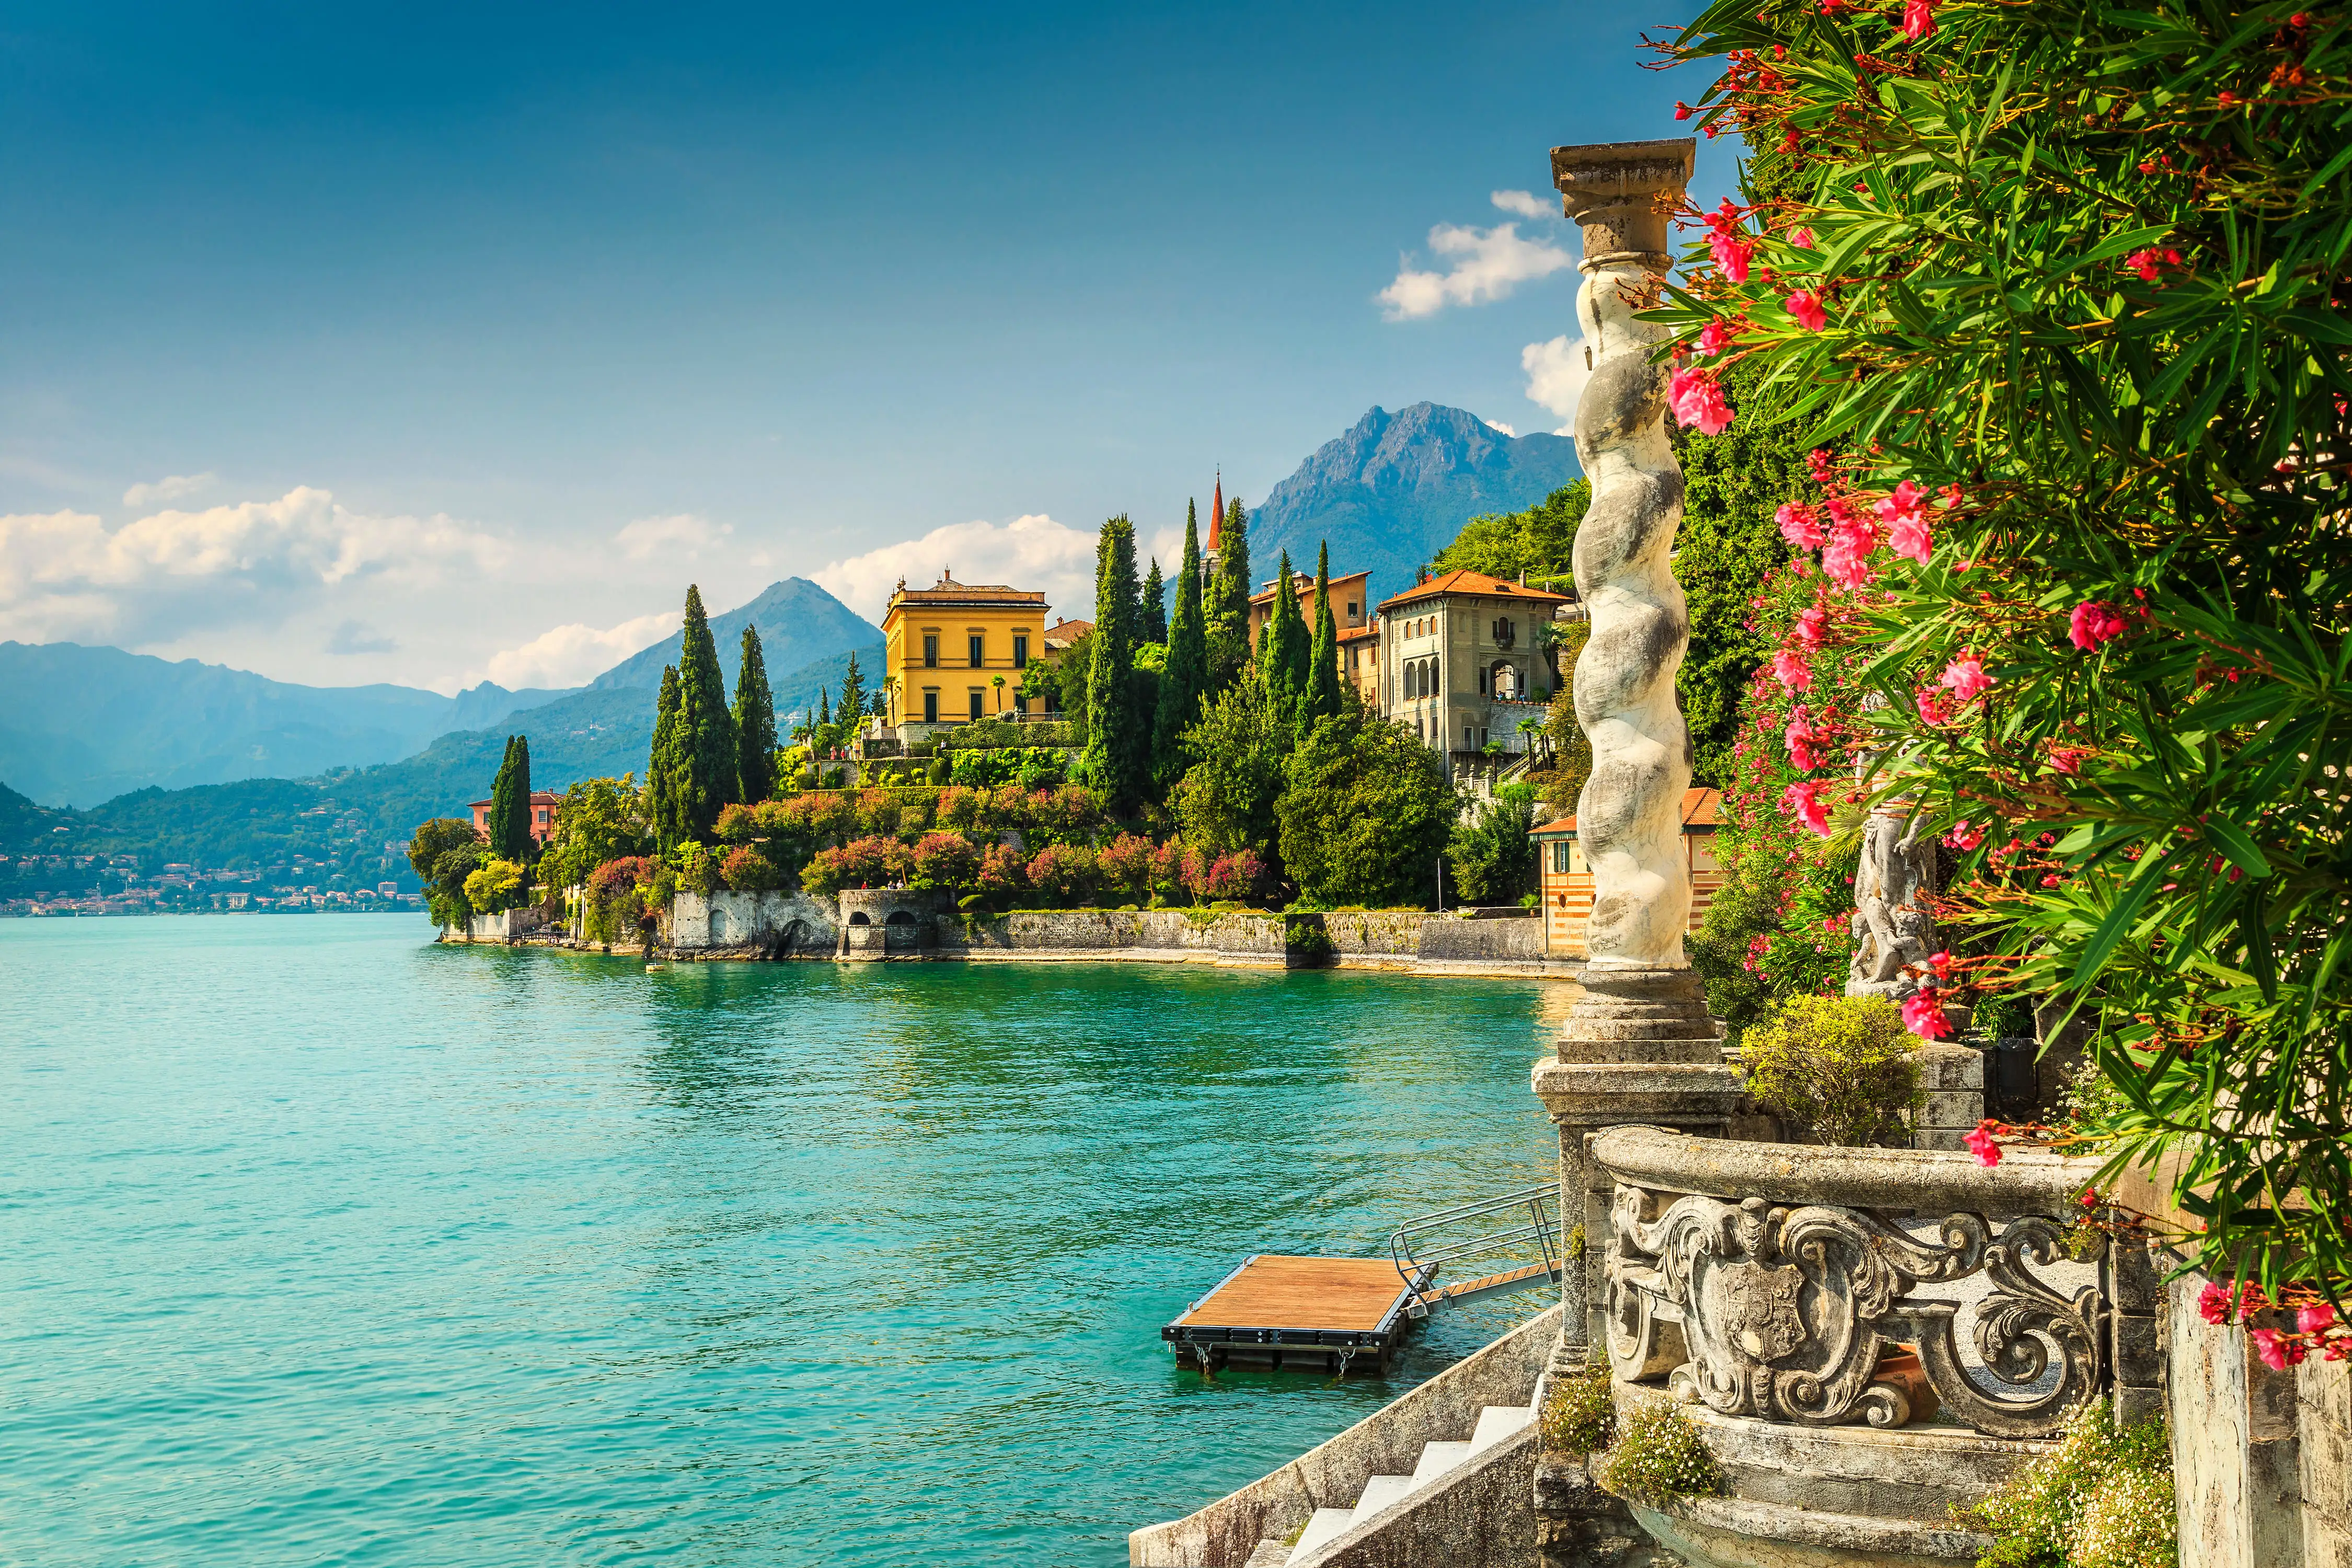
{"x": 931, "y": 706}
{"x": 1482, "y": 683}
{"x": 974, "y": 644}
{"x": 1559, "y": 857}
{"x": 1019, "y": 653}
{"x": 976, "y": 712}
{"x": 931, "y": 650}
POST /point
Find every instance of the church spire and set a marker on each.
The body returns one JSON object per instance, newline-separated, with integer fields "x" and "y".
{"x": 1217, "y": 509}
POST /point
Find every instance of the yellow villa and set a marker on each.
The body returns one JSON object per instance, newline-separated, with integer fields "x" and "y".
{"x": 959, "y": 651}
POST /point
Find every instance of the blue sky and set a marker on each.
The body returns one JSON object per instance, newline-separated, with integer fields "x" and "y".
{"x": 421, "y": 343}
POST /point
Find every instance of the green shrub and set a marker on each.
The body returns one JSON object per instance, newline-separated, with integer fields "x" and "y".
{"x": 1845, "y": 1067}
{"x": 1580, "y": 1413}
{"x": 496, "y": 885}
{"x": 1659, "y": 1455}
{"x": 2103, "y": 1500}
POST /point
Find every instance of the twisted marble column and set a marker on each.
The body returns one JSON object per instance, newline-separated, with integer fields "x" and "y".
{"x": 1638, "y": 1045}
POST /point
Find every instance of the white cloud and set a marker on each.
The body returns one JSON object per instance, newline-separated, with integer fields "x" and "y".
{"x": 352, "y": 638}
{"x": 168, "y": 488}
{"x": 1032, "y": 552}
{"x": 65, "y": 574}
{"x": 571, "y": 654}
{"x": 1487, "y": 264}
{"x": 1557, "y": 371}
{"x": 682, "y": 533}
{"x": 1526, "y": 203}
{"x": 1498, "y": 425}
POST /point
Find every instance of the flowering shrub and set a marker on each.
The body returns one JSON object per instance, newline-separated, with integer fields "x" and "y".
{"x": 1659, "y": 1455}
{"x": 1841, "y": 1065}
{"x": 2085, "y": 343}
{"x": 1580, "y": 1413}
{"x": 1231, "y": 878}
{"x": 748, "y": 871}
{"x": 878, "y": 811}
{"x": 869, "y": 862}
{"x": 2103, "y": 1499}
{"x": 1064, "y": 873}
{"x": 1002, "y": 871}
{"x": 615, "y": 894}
{"x": 1126, "y": 866}
{"x": 1168, "y": 869}
{"x": 944, "y": 860}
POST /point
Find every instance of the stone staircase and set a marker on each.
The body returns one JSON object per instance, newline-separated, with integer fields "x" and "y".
{"x": 1444, "y": 1474}
{"x": 1495, "y": 1421}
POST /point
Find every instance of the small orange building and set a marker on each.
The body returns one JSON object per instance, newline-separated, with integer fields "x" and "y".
{"x": 543, "y": 802}
{"x": 1568, "y": 879}
{"x": 1350, "y": 605}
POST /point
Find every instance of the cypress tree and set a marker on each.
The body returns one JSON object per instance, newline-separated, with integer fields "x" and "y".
{"x": 661, "y": 767}
{"x": 1118, "y": 744}
{"x": 705, "y": 775}
{"x": 501, "y": 823}
{"x": 1323, "y": 659}
{"x": 852, "y": 699}
{"x": 1225, "y": 607}
{"x": 1282, "y": 649}
{"x": 1186, "y": 674}
{"x": 755, "y": 722}
{"x": 1155, "y": 607}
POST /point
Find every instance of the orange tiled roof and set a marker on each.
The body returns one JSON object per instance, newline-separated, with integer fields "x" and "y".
{"x": 1350, "y": 633}
{"x": 1305, "y": 582}
{"x": 1063, "y": 633}
{"x": 1702, "y": 807}
{"x": 1469, "y": 582}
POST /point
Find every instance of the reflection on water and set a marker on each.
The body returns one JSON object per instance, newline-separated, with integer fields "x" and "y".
{"x": 326, "y": 1245}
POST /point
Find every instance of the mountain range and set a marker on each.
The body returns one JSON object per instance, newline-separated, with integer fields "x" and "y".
{"x": 1395, "y": 491}
{"x": 83, "y": 725}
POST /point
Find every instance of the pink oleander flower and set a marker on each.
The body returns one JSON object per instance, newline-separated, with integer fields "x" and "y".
{"x": 2215, "y": 1301}
{"x": 2068, "y": 760}
{"x": 2090, "y": 1198}
{"x": 1924, "y": 1015}
{"x": 1813, "y": 626}
{"x": 1804, "y": 802}
{"x": 1697, "y": 401}
{"x": 1846, "y": 561}
{"x": 1790, "y": 669}
{"x": 1820, "y": 467}
{"x": 1802, "y": 738}
{"x": 1919, "y": 19}
{"x": 1906, "y": 514}
{"x": 1799, "y": 525}
{"x": 1802, "y": 238}
{"x": 2093, "y": 623}
{"x": 1981, "y": 1145}
{"x": 2279, "y": 1351}
{"x": 1966, "y": 677}
{"x": 2316, "y": 1319}
{"x": 1941, "y": 962}
{"x": 1682, "y": 111}
{"x": 1935, "y": 704}
{"x": 1805, "y": 307}
{"x": 2148, "y": 263}
{"x": 1965, "y": 835}
{"x": 1732, "y": 254}
{"x": 1718, "y": 335}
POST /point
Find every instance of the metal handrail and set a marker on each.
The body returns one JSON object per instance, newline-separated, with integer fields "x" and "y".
{"x": 1418, "y": 1262}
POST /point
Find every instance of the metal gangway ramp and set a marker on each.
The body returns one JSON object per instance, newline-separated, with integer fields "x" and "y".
{"x": 1490, "y": 1248}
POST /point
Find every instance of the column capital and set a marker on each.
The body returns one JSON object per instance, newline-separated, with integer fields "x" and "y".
{"x": 1621, "y": 193}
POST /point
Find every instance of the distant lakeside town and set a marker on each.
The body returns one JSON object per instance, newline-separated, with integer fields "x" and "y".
{"x": 119, "y": 885}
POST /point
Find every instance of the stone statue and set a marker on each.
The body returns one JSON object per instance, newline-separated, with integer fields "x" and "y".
{"x": 1892, "y": 929}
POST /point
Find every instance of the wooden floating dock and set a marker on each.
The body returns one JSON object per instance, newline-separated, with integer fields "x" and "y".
{"x": 1325, "y": 1314}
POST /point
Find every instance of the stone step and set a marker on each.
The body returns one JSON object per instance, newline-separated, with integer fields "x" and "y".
{"x": 1379, "y": 1492}
{"x": 1326, "y": 1523}
{"x": 1271, "y": 1552}
{"x": 1436, "y": 1458}
{"x": 1497, "y": 1422}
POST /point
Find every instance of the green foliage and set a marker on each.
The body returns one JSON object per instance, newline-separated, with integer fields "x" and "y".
{"x": 1727, "y": 544}
{"x": 1364, "y": 810}
{"x": 510, "y": 816}
{"x": 850, "y": 717}
{"x": 1283, "y": 650}
{"x": 1570, "y": 753}
{"x": 1227, "y": 796}
{"x": 1185, "y": 676}
{"x": 1321, "y": 699}
{"x": 1659, "y": 1455}
{"x": 443, "y": 852}
{"x": 1032, "y": 767}
{"x": 1151, "y": 623}
{"x": 2083, "y": 262}
{"x": 755, "y": 722}
{"x": 704, "y": 777}
{"x": 1843, "y": 1067}
{"x": 1119, "y": 740}
{"x": 2103, "y": 1499}
{"x": 1580, "y": 1413}
{"x": 662, "y": 764}
{"x": 1493, "y": 858}
{"x": 497, "y": 884}
{"x": 598, "y": 820}
{"x": 1539, "y": 542}
{"x": 1226, "y": 607}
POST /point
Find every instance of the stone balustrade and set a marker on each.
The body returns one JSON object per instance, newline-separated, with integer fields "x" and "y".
{"x": 1823, "y": 1286}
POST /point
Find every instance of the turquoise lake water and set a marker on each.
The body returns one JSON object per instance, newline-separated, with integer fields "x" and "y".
{"x": 326, "y": 1245}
